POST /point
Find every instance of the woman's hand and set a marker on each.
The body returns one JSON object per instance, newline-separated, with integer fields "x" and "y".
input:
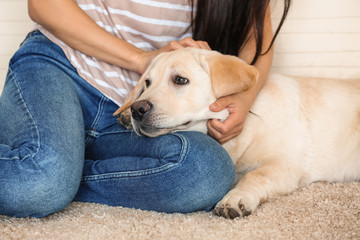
{"x": 147, "y": 57}
{"x": 238, "y": 105}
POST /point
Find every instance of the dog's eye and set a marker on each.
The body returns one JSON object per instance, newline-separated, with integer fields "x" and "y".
{"x": 180, "y": 80}
{"x": 147, "y": 82}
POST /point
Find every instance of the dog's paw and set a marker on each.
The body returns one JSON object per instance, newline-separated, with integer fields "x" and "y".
{"x": 124, "y": 119}
{"x": 236, "y": 204}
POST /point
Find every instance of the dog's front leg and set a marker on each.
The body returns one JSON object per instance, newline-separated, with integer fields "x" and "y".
{"x": 124, "y": 119}
{"x": 256, "y": 187}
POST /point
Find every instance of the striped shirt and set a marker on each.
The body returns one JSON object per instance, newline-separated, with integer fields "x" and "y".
{"x": 147, "y": 24}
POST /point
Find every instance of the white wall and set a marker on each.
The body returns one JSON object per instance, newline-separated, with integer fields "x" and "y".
{"x": 14, "y": 24}
{"x": 320, "y": 37}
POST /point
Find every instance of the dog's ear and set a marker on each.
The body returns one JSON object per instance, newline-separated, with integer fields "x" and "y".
{"x": 228, "y": 74}
{"x": 139, "y": 88}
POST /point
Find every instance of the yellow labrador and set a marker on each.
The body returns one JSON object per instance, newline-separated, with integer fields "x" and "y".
{"x": 299, "y": 130}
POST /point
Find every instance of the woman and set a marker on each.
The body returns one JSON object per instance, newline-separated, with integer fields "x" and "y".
{"x": 58, "y": 138}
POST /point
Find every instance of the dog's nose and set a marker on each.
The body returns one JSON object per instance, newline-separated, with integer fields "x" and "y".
{"x": 140, "y": 108}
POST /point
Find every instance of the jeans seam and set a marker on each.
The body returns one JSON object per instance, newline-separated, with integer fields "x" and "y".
{"x": 97, "y": 118}
{"x": 28, "y": 113}
{"x": 139, "y": 173}
{"x": 91, "y": 133}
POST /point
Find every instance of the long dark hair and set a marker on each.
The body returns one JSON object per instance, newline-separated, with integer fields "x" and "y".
{"x": 226, "y": 24}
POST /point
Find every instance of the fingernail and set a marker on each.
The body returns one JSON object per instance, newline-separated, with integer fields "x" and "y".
{"x": 214, "y": 106}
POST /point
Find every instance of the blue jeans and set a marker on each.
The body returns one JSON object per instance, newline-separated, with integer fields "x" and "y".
{"x": 59, "y": 142}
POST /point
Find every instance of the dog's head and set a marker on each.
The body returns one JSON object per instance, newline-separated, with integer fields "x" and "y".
{"x": 178, "y": 87}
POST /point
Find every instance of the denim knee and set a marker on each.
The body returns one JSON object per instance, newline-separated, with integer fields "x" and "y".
{"x": 181, "y": 172}
{"x": 38, "y": 193}
{"x": 208, "y": 174}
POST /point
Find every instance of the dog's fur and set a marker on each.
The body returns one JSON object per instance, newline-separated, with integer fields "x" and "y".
{"x": 299, "y": 130}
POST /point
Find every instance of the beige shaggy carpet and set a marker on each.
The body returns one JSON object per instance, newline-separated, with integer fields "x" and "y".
{"x": 319, "y": 211}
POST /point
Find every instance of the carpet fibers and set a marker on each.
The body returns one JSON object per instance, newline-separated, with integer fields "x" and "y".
{"x": 319, "y": 211}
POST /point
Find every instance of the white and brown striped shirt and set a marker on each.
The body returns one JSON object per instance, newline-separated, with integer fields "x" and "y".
{"x": 147, "y": 24}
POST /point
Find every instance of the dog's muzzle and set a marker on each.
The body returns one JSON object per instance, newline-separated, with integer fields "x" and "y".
{"x": 139, "y": 109}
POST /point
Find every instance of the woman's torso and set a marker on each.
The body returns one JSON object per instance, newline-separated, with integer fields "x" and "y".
{"x": 147, "y": 24}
